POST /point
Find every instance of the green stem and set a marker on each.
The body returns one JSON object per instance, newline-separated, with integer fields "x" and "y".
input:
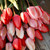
{"x": 1, "y": 8}
{"x": 5, "y": 4}
{"x": 21, "y": 5}
{"x": 24, "y": 5}
{"x": 34, "y": 1}
{"x": 11, "y": 5}
{"x": 13, "y": 10}
{"x": 28, "y": 2}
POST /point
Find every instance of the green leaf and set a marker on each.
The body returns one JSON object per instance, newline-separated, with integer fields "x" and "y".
{"x": 14, "y": 3}
{"x": 0, "y": 12}
{"x": 1, "y": 1}
{"x": 11, "y": 5}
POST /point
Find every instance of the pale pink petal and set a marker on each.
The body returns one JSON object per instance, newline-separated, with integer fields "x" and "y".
{"x": 31, "y": 32}
{"x": 3, "y": 32}
{"x": 40, "y": 23}
{"x": 39, "y": 10}
{"x": 45, "y": 17}
{"x": 11, "y": 28}
{"x": 9, "y": 46}
{"x": 30, "y": 44}
{"x": 9, "y": 37}
{"x": 33, "y": 23}
{"x": 20, "y": 33}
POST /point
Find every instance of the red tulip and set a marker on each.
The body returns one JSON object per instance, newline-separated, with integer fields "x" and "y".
{"x": 17, "y": 21}
{"x": 1, "y": 24}
{"x": 17, "y": 44}
{"x": 6, "y": 16}
{"x": 24, "y": 17}
{"x": 33, "y": 13}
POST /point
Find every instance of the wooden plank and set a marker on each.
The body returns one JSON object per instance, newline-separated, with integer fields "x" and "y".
{"x": 37, "y": 45}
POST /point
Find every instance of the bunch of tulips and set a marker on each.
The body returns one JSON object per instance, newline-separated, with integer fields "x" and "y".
{"x": 21, "y": 30}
